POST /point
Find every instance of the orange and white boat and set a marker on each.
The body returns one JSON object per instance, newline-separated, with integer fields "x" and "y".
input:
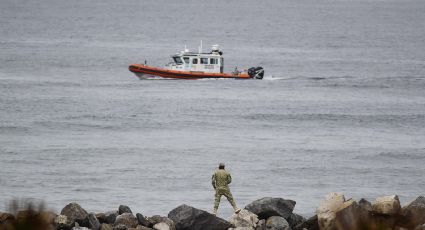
{"x": 192, "y": 65}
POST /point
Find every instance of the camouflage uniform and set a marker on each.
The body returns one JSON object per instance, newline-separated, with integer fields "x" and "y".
{"x": 220, "y": 181}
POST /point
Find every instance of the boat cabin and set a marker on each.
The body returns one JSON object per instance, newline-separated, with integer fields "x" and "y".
{"x": 211, "y": 62}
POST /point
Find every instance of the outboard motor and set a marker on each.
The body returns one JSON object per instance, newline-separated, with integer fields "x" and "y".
{"x": 256, "y": 72}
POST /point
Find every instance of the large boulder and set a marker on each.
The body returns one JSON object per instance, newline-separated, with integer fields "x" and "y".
{"x": 327, "y": 209}
{"x": 414, "y": 212}
{"x": 268, "y": 206}
{"x": 244, "y": 218}
{"x": 75, "y": 213}
{"x": 124, "y": 209}
{"x": 126, "y": 219}
{"x": 277, "y": 223}
{"x": 337, "y": 213}
{"x": 387, "y": 205}
{"x": 189, "y": 218}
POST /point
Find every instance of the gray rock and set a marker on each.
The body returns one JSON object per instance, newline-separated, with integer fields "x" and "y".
{"x": 161, "y": 226}
{"x": 110, "y": 217}
{"x": 189, "y": 218}
{"x": 93, "y": 222}
{"x": 162, "y": 219}
{"x": 127, "y": 219}
{"x": 310, "y": 224}
{"x": 124, "y": 209}
{"x": 244, "y": 218}
{"x": 107, "y": 217}
{"x": 366, "y": 205}
{"x": 277, "y": 223}
{"x": 101, "y": 217}
{"x": 295, "y": 219}
{"x": 143, "y": 220}
{"x": 268, "y": 206}
{"x": 414, "y": 212}
{"x": 261, "y": 225}
{"x": 387, "y": 205}
{"x": 80, "y": 228}
{"x": 75, "y": 213}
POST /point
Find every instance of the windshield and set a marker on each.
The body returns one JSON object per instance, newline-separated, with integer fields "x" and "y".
{"x": 178, "y": 60}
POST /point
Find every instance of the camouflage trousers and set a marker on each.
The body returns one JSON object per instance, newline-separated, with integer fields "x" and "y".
{"x": 223, "y": 192}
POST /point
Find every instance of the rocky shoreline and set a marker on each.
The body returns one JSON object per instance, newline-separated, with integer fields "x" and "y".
{"x": 334, "y": 212}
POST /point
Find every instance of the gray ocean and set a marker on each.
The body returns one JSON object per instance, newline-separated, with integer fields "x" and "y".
{"x": 341, "y": 109}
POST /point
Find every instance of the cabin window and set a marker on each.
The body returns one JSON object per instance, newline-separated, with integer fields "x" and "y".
{"x": 186, "y": 60}
{"x": 195, "y": 61}
{"x": 178, "y": 60}
{"x": 204, "y": 60}
{"x": 213, "y": 61}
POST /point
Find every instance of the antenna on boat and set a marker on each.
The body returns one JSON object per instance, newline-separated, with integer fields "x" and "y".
{"x": 186, "y": 50}
{"x": 200, "y": 48}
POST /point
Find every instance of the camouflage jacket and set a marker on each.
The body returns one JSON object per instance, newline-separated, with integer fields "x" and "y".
{"x": 221, "y": 179}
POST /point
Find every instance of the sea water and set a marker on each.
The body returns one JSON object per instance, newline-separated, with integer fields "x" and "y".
{"x": 341, "y": 109}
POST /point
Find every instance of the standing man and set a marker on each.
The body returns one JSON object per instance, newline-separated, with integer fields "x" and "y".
{"x": 220, "y": 181}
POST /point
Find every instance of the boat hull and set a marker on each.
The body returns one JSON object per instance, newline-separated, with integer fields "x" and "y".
{"x": 149, "y": 72}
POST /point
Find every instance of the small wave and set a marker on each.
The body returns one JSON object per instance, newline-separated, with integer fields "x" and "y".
{"x": 13, "y": 129}
{"x": 403, "y": 156}
{"x": 78, "y": 125}
{"x": 408, "y": 154}
{"x": 317, "y": 78}
{"x": 394, "y": 119}
{"x": 88, "y": 116}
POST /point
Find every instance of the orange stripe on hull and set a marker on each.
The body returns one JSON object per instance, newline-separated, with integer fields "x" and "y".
{"x": 165, "y": 73}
